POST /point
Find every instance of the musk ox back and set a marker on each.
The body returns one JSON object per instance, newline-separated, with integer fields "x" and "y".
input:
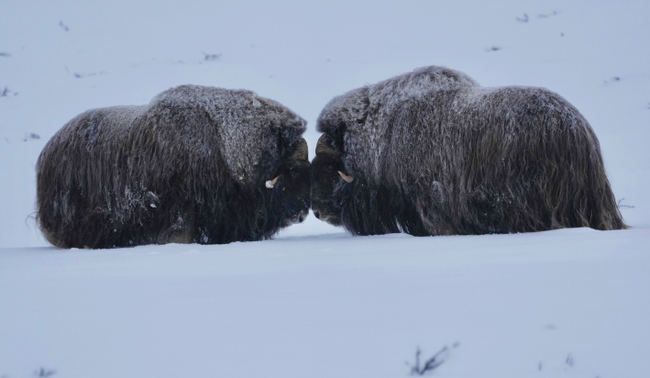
{"x": 431, "y": 152}
{"x": 197, "y": 164}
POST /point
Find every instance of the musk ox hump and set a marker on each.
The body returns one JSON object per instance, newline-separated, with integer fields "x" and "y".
{"x": 363, "y": 114}
{"x": 351, "y": 108}
{"x": 248, "y": 126}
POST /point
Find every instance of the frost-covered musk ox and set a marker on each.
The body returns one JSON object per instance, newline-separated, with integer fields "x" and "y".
{"x": 430, "y": 152}
{"x": 198, "y": 164}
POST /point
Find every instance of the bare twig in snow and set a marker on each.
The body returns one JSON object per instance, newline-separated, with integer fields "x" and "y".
{"x": 569, "y": 360}
{"x": 211, "y": 57}
{"x": 613, "y": 79}
{"x": 624, "y": 206}
{"x": 63, "y": 26}
{"x": 547, "y": 15}
{"x": 31, "y": 136}
{"x": 44, "y": 373}
{"x": 430, "y": 364}
{"x": 78, "y": 75}
{"x": 6, "y": 92}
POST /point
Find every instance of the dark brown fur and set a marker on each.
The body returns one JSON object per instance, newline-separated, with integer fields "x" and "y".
{"x": 460, "y": 159}
{"x": 189, "y": 167}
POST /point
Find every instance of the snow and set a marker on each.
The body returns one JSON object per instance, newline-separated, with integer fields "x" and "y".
{"x": 332, "y": 305}
{"x": 316, "y": 301}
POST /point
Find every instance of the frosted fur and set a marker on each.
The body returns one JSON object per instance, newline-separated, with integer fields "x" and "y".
{"x": 246, "y": 124}
{"x": 458, "y": 158}
{"x": 188, "y": 167}
{"x": 366, "y": 107}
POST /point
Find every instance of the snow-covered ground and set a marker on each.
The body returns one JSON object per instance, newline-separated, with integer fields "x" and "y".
{"x": 317, "y": 302}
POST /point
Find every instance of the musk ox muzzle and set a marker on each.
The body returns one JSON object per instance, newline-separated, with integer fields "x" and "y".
{"x": 431, "y": 152}
{"x": 196, "y": 165}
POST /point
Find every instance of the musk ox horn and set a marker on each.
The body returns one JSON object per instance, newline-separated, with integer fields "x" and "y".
{"x": 323, "y": 145}
{"x": 345, "y": 177}
{"x": 271, "y": 183}
{"x": 302, "y": 151}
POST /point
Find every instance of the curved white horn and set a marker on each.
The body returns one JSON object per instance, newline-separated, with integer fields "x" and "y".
{"x": 345, "y": 177}
{"x": 271, "y": 183}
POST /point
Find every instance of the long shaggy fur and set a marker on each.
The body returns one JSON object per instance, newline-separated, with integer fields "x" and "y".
{"x": 189, "y": 167}
{"x": 433, "y": 153}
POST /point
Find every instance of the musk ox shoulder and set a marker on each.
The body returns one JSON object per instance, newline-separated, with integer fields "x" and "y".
{"x": 197, "y": 165}
{"x": 431, "y": 152}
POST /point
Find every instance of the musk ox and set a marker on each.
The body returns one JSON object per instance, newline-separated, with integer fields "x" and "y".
{"x": 431, "y": 153}
{"x": 196, "y": 165}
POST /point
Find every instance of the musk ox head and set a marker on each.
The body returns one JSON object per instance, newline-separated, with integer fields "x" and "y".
{"x": 328, "y": 179}
{"x": 331, "y": 176}
{"x": 291, "y": 186}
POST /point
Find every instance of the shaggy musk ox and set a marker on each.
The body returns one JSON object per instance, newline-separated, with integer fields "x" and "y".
{"x": 431, "y": 153}
{"x": 196, "y": 165}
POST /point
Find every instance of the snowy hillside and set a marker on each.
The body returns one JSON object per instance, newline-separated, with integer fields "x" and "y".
{"x": 317, "y": 302}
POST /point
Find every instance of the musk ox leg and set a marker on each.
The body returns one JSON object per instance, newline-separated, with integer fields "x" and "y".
{"x": 365, "y": 211}
{"x": 433, "y": 210}
{"x": 370, "y": 210}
